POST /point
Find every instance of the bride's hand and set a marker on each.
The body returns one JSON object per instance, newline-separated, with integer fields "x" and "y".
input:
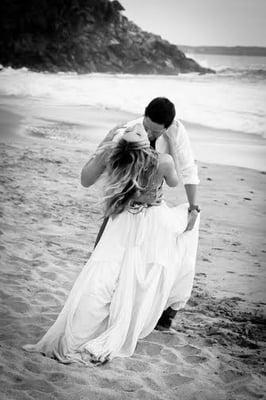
{"x": 171, "y": 132}
{"x": 115, "y": 131}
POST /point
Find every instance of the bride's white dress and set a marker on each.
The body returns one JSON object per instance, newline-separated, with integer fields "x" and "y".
{"x": 143, "y": 263}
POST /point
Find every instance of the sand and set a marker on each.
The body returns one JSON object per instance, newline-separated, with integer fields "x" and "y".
{"x": 49, "y": 224}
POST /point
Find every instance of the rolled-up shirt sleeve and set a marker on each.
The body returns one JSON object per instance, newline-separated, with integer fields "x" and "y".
{"x": 188, "y": 169}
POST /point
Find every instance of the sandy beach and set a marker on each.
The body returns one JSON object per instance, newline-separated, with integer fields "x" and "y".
{"x": 49, "y": 225}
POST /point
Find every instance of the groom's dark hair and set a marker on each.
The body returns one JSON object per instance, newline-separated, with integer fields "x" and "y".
{"x": 161, "y": 111}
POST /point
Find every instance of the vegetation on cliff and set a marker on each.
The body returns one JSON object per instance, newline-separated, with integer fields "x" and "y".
{"x": 83, "y": 36}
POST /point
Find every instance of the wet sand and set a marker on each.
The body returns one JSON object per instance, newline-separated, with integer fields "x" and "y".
{"x": 49, "y": 224}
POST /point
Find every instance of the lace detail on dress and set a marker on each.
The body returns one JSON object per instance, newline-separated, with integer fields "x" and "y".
{"x": 153, "y": 197}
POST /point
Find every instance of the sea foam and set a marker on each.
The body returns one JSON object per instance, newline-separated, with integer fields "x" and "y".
{"x": 216, "y": 101}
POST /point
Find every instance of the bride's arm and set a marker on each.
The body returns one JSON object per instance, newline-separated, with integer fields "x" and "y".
{"x": 168, "y": 170}
{"x": 92, "y": 170}
{"x": 96, "y": 165}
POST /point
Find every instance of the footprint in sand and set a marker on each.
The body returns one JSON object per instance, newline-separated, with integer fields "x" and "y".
{"x": 145, "y": 395}
{"x": 48, "y": 275}
{"x": 48, "y": 299}
{"x": 4, "y": 296}
{"x": 232, "y": 375}
{"x": 37, "y": 255}
{"x": 206, "y": 259}
{"x": 32, "y": 367}
{"x": 166, "y": 339}
{"x": 250, "y": 393}
{"x": 60, "y": 293}
{"x": 195, "y": 359}
{"x": 16, "y": 378}
{"x": 148, "y": 348}
{"x": 174, "y": 380}
{"x": 151, "y": 383}
{"x": 19, "y": 306}
{"x": 57, "y": 377}
{"x": 137, "y": 366}
{"x": 169, "y": 356}
{"x": 191, "y": 354}
{"x": 188, "y": 350}
{"x": 37, "y": 385}
{"x": 120, "y": 383}
{"x": 38, "y": 263}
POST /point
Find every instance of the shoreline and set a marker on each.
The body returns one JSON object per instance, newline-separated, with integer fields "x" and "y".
{"x": 210, "y": 145}
{"x": 224, "y": 147}
{"x": 48, "y": 230}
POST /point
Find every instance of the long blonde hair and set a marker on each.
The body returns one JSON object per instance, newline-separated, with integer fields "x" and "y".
{"x": 131, "y": 171}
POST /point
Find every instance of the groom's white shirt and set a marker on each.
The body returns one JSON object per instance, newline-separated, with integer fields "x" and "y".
{"x": 187, "y": 169}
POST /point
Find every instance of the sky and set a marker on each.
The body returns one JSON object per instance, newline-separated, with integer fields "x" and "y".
{"x": 201, "y": 22}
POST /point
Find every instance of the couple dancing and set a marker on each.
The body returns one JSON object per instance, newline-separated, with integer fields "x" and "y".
{"x": 142, "y": 268}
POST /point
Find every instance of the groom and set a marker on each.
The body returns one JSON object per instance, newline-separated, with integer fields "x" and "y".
{"x": 169, "y": 136}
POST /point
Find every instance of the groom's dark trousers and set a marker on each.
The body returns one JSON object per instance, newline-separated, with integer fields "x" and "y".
{"x": 102, "y": 228}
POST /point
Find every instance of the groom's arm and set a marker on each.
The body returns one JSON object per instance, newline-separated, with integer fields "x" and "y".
{"x": 191, "y": 192}
{"x": 180, "y": 149}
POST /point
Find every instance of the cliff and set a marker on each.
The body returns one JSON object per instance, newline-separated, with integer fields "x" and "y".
{"x": 83, "y": 36}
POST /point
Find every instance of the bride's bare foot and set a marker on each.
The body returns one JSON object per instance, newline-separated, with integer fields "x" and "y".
{"x": 97, "y": 360}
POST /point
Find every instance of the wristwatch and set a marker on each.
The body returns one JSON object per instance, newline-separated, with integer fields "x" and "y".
{"x": 194, "y": 207}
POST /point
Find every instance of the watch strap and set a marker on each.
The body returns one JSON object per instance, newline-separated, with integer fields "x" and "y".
{"x": 194, "y": 207}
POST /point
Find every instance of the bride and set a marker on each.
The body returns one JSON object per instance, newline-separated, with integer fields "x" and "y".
{"x": 143, "y": 263}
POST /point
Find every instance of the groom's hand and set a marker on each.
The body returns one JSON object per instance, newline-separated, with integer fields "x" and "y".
{"x": 192, "y": 217}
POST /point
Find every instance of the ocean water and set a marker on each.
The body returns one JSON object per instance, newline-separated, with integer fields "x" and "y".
{"x": 234, "y": 99}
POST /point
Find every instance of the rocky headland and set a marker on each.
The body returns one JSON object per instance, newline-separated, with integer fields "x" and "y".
{"x": 84, "y": 36}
